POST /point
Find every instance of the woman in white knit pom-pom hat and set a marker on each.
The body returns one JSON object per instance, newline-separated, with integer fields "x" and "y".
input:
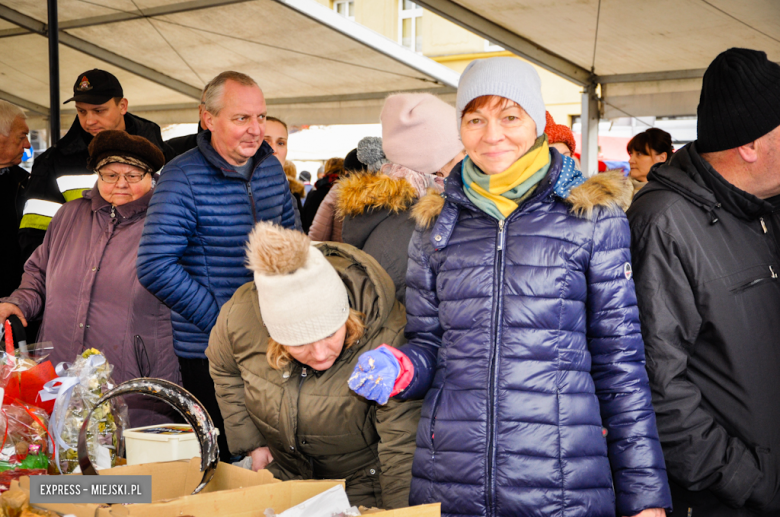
{"x": 282, "y": 352}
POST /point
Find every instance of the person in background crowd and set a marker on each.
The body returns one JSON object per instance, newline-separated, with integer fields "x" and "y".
{"x": 705, "y": 240}
{"x": 320, "y": 173}
{"x": 281, "y": 353}
{"x": 305, "y": 178}
{"x": 60, "y": 174}
{"x": 368, "y": 156}
{"x": 420, "y": 141}
{"x": 276, "y": 135}
{"x": 645, "y": 150}
{"x": 13, "y": 179}
{"x": 334, "y": 168}
{"x": 205, "y": 205}
{"x": 83, "y": 280}
{"x": 523, "y": 328}
{"x": 182, "y": 144}
{"x": 296, "y": 187}
{"x": 560, "y": 137}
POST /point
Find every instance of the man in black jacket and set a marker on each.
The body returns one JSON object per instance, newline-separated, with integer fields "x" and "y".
{"x": 706, "y": 252}
{"x": 61, "y": 174}
{"x": 13, "y": 142}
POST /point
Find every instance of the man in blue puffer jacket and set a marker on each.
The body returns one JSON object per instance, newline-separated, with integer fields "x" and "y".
{"x": 192, "y": 250}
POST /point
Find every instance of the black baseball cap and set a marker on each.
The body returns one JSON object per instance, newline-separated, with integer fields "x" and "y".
{"x": 96, "y": 87}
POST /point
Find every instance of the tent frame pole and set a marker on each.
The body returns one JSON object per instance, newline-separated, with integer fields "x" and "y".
{"x": 589, "y": 122}
{"x": 54, "y": 73}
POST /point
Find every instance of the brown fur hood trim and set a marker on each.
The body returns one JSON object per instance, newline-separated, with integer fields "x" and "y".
{"x": 428, "y": 209}
{"x": 296, "y": 187}
{"x": 362, "y": 191}
{"x": 273, "y": 250}
{"x": 609, "y": 189}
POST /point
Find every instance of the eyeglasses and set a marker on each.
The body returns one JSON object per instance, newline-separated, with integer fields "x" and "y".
{"x": 132, "y": 177}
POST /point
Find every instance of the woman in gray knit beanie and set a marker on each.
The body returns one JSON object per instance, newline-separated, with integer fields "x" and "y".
{"x": 523, "y": 328}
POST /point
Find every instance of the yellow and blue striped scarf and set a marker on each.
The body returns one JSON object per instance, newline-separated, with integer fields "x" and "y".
{"x": 499, "y": 195}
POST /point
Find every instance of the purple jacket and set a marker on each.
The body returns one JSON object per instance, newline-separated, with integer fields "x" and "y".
{"x": 83, "y": 279}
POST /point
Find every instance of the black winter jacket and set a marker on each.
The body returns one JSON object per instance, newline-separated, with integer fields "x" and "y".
{"x": 69, "y": 158}
{"x": 706, "y": 259}
{"x": 12, "y": 183}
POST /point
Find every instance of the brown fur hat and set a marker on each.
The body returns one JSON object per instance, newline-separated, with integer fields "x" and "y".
{"x": 114, "y": 146}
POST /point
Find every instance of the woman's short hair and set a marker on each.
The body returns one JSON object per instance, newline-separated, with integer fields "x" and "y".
{"x": 656, "y": 139}
{"x": 280, "y": 121}
{"x": 290, "y": 170}
{"x": 485, "y": 101}
{"x": 334, "y": 166}
{"x": 278, "y": 356}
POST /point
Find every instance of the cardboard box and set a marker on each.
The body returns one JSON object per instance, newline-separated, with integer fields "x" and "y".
{"x": 233, "y": 492}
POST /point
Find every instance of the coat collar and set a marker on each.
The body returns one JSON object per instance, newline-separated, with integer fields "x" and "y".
{"x": 457, "y": 200}
{"x": 126, "y": 211}
{"x": 691, "y": 176}
{"x": 216, "y": 160}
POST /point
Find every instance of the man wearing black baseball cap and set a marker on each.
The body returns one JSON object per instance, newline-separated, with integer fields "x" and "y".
{"x": 706, "y": 257}
{"x": 61, "y": 174}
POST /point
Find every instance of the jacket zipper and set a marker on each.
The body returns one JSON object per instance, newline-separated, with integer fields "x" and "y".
{"x": 252, "y": 201}
{"x": 497, "y": 308}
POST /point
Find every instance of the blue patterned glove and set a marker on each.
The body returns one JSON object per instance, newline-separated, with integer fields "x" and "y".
{"x": 375, "y": 375}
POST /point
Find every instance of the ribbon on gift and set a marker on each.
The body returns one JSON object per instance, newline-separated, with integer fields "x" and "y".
{"x": 61, "y": 389}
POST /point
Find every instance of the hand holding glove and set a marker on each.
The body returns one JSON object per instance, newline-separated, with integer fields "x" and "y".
{"x": 381, "y": 373}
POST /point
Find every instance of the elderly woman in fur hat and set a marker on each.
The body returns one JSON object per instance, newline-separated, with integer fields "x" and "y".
{"x": 281, "y": 353}
{"x": 523, "y": 328}
{"x": 83, "y": 279}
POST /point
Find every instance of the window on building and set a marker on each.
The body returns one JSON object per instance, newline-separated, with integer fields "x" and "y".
{"x": 409, "y": 29}
{"x": 491, "y": 47}
{"x": 345, "y": 8}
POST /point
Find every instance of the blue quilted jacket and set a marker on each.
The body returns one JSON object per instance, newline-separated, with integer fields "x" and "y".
{"x": 525, "y": 340}
{"x": 192, "y": 250}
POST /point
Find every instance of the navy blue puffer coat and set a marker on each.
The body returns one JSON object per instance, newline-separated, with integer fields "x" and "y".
{"x": 525, "y": 339}
{"x": 192, "y": 252}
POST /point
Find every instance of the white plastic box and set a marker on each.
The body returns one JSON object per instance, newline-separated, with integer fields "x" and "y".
{"x": 155, "y": 443}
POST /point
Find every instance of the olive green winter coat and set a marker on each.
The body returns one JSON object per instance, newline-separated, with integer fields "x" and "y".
{"x": 313, "y": 424}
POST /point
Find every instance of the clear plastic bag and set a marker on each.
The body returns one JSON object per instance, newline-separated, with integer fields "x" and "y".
{"x": 84, "y": 382}
{"x": 25, "y": 438}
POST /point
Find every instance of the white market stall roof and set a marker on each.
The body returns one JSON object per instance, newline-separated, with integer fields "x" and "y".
{"x": 648, "y": 56}
{"x": 314, "y": 66}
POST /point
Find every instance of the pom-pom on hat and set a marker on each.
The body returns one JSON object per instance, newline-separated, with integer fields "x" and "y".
{"x": 302, "y": 298}
{"x": 506, "y": 77}
{"x": 559, "y": 133}
{"x": 739, "y": 102}
{"x": 113, "y": 146}
{"x": 370, "y": 153}
{"x": 417, "y": 132}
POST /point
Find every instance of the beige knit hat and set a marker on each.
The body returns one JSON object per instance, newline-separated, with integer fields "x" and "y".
{"x": 302, "y": 297}
{"x": 417, "y": 131}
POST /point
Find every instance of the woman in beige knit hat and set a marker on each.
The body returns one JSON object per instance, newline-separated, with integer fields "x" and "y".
{"x": 423, "y": 145}
{"x": 282, "y": 352}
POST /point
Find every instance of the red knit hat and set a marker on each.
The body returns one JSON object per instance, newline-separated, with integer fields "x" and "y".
{"x": 559, "y": 133}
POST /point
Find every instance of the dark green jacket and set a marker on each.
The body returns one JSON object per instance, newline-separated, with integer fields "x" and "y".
{"x": 313, "y": 424}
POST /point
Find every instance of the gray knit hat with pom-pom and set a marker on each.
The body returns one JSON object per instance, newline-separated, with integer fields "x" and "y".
{"x": 370, "y": 153}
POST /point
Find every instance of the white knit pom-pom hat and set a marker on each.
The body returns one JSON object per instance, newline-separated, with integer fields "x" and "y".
{"x": 302, "y": 298}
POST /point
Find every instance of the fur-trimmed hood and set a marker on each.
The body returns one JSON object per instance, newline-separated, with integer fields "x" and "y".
{"x": 296, "y": 187}
{"x": 610, "y": 190}
{"x": 363, "y": 191}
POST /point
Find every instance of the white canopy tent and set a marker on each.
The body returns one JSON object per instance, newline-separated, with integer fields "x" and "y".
{"x": 314, "y": 66}
{"x": 645, "y": 58}
{"x": 632, "y": 57}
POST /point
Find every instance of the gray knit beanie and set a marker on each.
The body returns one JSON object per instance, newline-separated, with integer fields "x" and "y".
{"x": 506, "y": 77}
